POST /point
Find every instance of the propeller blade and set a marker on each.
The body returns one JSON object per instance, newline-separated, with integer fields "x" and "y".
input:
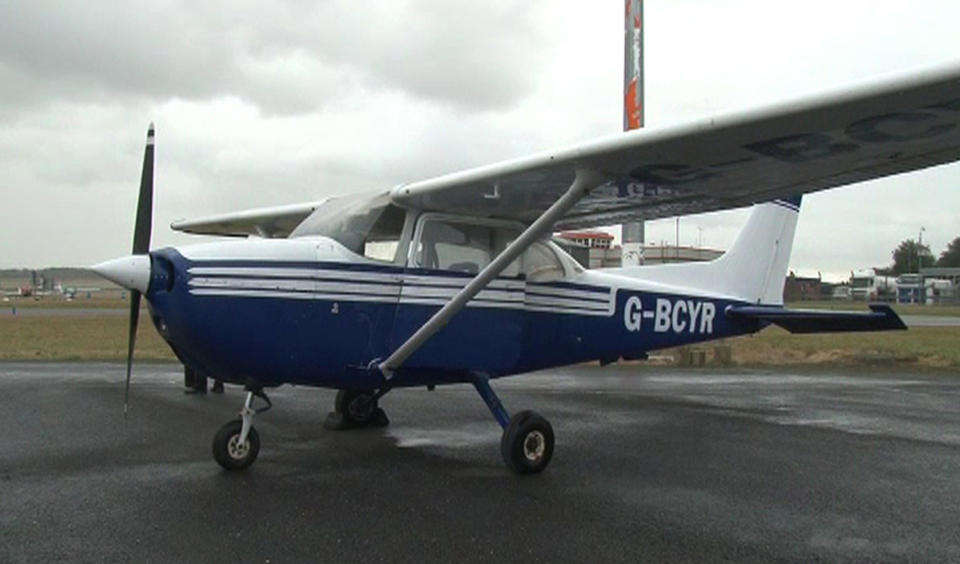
{"x": 141, "y": 245}
{"x": 131, "y": 341}
{"x": 143, "y": 225}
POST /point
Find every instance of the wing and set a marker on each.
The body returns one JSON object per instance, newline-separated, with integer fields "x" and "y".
{"x": 263, "y": 222}
{"x": 896, "y": 124}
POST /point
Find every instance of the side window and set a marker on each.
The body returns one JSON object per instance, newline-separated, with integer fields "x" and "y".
{"x": 461, "y": 247}
{"x": 540, "y": 264}
{"x": 384, "y": 237}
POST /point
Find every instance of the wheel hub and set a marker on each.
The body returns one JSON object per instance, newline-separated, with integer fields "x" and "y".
{"x": 534, "y": 446}
{"x": 236, "y": 450}
{"x": 361, "y": 408}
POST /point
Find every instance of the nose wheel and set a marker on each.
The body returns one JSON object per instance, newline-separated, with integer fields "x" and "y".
{"x": 230, "y": 451}
{"x": 237, "y": 444}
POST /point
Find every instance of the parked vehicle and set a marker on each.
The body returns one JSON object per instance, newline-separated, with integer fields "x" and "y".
{"x": 866, "y": 285}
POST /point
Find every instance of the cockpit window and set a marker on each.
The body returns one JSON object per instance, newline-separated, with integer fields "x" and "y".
{"x": 540, "y": 264}
{"x": 461, "y": 245}
{"x": 367, "y": 226}
{"x": 384, "y": 237}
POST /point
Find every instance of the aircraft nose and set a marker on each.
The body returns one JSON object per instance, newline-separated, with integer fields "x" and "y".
{"x": 132, "y": 272}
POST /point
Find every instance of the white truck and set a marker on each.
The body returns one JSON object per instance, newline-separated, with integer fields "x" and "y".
{"x": 866, "y": 285}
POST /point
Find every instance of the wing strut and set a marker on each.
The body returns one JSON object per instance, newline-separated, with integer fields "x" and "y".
{"x": 585, "y": 181}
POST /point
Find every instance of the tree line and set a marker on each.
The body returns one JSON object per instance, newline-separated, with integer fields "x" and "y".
{"x": 911, "y": 256}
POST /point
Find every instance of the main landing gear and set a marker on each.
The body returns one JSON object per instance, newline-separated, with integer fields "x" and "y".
{"x": 526, "y": 444}
{"x": 355, "y": 409}
{"x": 236, "y": 444}
{"x": 527, "y": 441}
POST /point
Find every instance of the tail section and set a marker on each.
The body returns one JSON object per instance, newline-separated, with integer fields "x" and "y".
{"x": 755, "y": 267}
{"x": 753, "y": 270}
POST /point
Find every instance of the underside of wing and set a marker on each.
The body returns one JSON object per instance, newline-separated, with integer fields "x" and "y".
{"x": 896, "y": 124}
{"x": 272, "y": 222}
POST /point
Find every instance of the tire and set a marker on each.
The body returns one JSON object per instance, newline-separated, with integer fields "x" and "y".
{"x": 527, "y": 443}
{"x": 355, "y": 407}
{"x": 228, "y": 455}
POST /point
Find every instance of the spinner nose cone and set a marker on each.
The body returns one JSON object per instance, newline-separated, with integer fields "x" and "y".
{"x": 132, "y": 272}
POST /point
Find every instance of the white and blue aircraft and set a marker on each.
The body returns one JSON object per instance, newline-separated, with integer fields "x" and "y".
{"x": 455, "y": 279}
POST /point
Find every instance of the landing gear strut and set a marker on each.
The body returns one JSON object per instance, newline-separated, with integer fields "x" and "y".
{"x": 527, "y": 441}
{"x": 237, "y": 444}
{"x": 356, "y": 409}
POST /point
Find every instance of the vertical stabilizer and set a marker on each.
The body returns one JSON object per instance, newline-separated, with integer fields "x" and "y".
{"x": 755, "y": 267}
{"x": 753, "y": 270}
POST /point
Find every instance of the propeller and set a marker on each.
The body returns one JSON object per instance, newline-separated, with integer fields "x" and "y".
{"x": 141, "y": 246}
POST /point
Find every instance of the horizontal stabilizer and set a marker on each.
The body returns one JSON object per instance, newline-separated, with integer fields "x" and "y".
{"x": 881, "y": 317}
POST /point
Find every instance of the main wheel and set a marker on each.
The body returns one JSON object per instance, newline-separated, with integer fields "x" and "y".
{"x": 527, "y": 443}
{"x": 355, "y": 407}
{"x": 227, "y": 450}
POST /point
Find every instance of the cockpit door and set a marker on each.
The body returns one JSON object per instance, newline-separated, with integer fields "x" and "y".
{"x": 445, "y": 254}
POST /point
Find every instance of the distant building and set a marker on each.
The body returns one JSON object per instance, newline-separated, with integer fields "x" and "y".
{"x": 839, "y": 291}
{"x": 591, "y": 239}
{"x": 664, "y": 254}
{"x": 910, "y": 289}
{"x": 594, "y": 249}
{"x": 802, "y": 288}
{"x": 611, "y": 257}
{"x": 951, "y": 273}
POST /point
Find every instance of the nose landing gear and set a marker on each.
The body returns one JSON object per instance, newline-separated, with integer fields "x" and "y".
{"x": 237, "y": 444}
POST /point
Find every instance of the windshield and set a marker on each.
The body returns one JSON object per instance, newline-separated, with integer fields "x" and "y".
{"x": 367, "y": 225}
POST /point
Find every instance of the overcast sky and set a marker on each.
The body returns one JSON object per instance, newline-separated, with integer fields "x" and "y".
{"x": 268, "y": 103}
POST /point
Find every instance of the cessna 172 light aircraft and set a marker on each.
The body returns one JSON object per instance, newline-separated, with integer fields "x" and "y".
{"x": 454, "y": 279}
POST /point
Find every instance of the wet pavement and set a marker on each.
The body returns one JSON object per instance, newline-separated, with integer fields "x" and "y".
{"x": 650, "y": 465}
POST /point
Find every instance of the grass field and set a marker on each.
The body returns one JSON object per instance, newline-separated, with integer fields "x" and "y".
{"x": 59, "y": 302}
{"x": 932, "y": 347}
{"x": 103, "y": 338}
{"x": 77, "y": 338}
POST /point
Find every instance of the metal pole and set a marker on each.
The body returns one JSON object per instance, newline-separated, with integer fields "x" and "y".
{"x": 585, "y": 181}
{"x": 633, "y": 106}
{"x": 632, "y": 234}
{"x": 676, "y": 248}
{"x": 920, "y": 249}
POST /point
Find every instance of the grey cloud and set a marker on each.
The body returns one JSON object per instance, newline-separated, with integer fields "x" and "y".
{"x": 261, "y": 103}
{"x": 285, "y": 57}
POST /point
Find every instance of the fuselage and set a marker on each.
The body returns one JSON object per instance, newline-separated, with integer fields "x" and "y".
{"x": 307, "y": 311}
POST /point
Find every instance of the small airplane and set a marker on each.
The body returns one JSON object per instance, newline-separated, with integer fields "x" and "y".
{"x": 455, "y": 280}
